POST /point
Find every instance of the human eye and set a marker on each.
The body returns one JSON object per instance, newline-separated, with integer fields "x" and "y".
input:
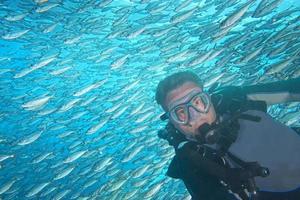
{"x": 197, "y": 102}
{"x": 180, "y": 113}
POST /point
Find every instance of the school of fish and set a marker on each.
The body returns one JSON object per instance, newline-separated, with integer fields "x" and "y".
{"x": 78, "y": 117}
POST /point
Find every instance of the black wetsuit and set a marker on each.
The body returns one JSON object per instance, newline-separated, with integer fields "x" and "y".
{"x": 195, "y": 166}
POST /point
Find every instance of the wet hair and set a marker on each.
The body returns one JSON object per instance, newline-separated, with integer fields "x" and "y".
{"x": 173, "y": 82}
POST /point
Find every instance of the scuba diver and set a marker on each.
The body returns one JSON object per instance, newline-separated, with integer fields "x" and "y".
{"x": 226, "y": 144}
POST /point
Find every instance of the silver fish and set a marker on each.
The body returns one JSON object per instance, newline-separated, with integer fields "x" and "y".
{"x": 42, "y": 157}
{"x": 153, "y": 190}
{"x": 233, "y": 18}
{"x": 281, "y": 65}
{"x": 138, "y": 129}
{"x": 119, "y": 62}
{"x": 119, "y": 113}
{"x": 265, "y": 8}
{"x": 15, "y": 35}
{"x": 89, "y": 88}
{"x": 98, "y": 126}
{"x": 36, "y": 189}
{"x": 183, "y": 16}
{"x": 69, "y": 105}
{"x": 4, "y": 157}
{"x": 35, "y": 67}
{"x": 64, "y": 173}
{"x": 46, "y": 8}
{"x": 74, "y": 156}
{"x": 117, "y": 185}
{"x": 5, "y": 187}
{"x": 61, "y": 194}
{"x": 183, "y": 5}
{"x": 16, "y": 17}
{"x": 29, "y": 139}
{"x": 102, "y": 164}
{"x": 37, "y": 103}
{"x": 132, "y": 154}
{"x": 60, "y": 71}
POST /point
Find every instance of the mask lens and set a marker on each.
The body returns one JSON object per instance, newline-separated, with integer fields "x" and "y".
{"x": 180, "y": 114}
{"x": 200, "y": 102}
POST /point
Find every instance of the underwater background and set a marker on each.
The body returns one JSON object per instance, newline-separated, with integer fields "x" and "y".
{"x": 78, "y": 117}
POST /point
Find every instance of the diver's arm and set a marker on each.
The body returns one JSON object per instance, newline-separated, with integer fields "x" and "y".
{"x": 275, "y": 92}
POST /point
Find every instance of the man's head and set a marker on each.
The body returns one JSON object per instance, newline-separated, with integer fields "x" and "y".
{"x": 184, "y": 90}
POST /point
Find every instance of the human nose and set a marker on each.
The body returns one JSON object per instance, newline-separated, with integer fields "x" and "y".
{"x": 194, "y": 115}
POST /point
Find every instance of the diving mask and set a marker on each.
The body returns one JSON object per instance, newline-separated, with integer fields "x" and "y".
{"x": 180, "y": 111}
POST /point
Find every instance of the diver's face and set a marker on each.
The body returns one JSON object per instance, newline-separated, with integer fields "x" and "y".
{"x": 181, "y": 95}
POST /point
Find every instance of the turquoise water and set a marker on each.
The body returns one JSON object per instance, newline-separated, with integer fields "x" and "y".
{"x": 78, "y": 118}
